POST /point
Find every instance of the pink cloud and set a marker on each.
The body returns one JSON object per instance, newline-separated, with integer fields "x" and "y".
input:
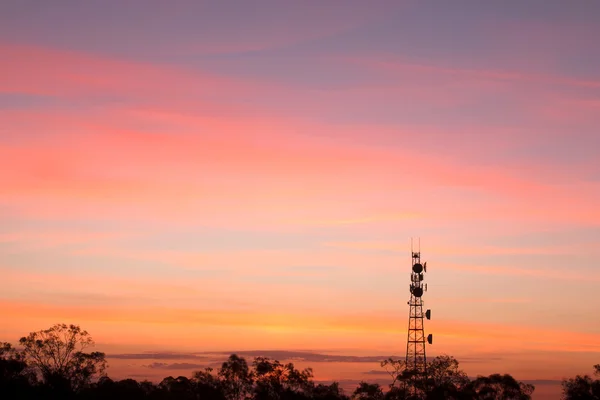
{"x": 403, "y": 65}
{"x": 205, "y": 176}
{"x": 38, "y": 70}
{"x": 543, "y": 273}
{"x": 449, "y": 248}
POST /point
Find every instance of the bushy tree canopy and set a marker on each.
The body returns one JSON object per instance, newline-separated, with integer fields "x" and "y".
{"x": 582, "y": 387}
{"x": 57, "y": 355}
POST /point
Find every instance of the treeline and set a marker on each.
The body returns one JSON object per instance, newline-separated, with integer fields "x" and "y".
{"x": 53, "y": 364}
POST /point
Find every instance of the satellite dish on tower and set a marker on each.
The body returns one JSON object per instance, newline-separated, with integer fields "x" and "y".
{"x": 417, "y": 340}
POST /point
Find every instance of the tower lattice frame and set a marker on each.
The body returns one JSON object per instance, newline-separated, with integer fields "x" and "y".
{"x": 416, "y": 357}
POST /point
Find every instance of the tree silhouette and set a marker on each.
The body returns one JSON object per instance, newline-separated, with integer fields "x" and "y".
{"x": 178, "y": 388}
{"x": 444, "y": 379}
{"x": 106, "y": 388}
{"x": 397, "y": 370}
{"x": 329, "y": 392}
{"x": 407, "y": 383}
{"x": 17, "y": 380}
{"x": 56, "y": 354}
{"x": 499, "y": 387}
{"x": 582, "y": 387}
{"x": 274, "y": 380}
{"x": 207, "y": 385}
{"x": 236, "y": 377}
{"x": 368, "y": 391}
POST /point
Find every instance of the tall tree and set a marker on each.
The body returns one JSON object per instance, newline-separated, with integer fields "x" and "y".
{"x": 236, "y": 377}
{"x": 57, "y": 354}
{"x": 445, "y": 380}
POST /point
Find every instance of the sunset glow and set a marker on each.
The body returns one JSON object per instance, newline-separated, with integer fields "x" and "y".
{"x": 244, "y": 176}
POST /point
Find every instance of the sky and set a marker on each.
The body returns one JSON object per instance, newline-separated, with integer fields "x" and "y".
{"x": 186, "y": 177}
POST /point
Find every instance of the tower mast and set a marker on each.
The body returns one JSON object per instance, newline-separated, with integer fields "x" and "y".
{"x": 416, "y": 359}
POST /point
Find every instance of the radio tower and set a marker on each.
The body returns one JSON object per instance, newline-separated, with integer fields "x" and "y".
{"x": 416, "y": 359}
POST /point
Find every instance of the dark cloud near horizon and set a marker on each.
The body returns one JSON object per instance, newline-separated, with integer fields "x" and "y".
{"x": 183, "y": 366}
{"x": 306, "y": 356}
{"x": 215, "y": 358}
{"x": 138, "y": 376}
{"x": 535, "y": 382}
{"x": 348, "y": 385}
{"x": 320, "y": 357}
{"x": 541, "y": 382}
{"x": 375, "y": 372}
{"x": 157, "y": 356}
{"x": 478, "y": 359}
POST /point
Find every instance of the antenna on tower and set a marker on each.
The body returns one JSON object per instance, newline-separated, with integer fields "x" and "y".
{"x": 416, "y": 359}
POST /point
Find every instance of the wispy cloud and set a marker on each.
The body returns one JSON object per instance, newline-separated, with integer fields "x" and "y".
{"x": 157, "y": 356}
{"x": 309, "y": 357}
{"x": 175, "y": 366}
{"x": 402, "y": 66}
{"x": 376, "y": 372}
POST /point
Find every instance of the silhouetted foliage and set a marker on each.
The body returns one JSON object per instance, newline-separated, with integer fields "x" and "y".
{"x": 328, "y": 392}
{"x": 178, "y": 388}
{"x": 236, "y": 378}
{"x": 56, "y": 354}
{"x": 499, "y": 387}
{"x": 208, "y": 386}
{"x": 273, "y": 380}
{"x": 446, "y": 381}
{"x": 51, "y": 364}
{"x": 582, "y": 387}
{"x": 17, "y": 381}
{"x": 398, "y": 393}
{"x": 368, "y": 391}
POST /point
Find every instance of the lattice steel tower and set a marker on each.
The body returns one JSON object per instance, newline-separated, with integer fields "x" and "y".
{"x": 415, "y": 346}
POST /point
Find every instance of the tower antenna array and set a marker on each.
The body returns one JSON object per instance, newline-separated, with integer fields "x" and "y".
{"x": 416, "y": 359}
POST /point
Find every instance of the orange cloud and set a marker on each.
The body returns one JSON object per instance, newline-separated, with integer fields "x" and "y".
{"x": 360, "y": 327}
